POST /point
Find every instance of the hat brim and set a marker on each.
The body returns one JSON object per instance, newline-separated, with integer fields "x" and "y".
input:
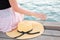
{"x": 36, "y": 28}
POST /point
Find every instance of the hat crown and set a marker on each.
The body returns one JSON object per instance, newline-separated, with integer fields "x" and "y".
{"x": 25, "y": 26}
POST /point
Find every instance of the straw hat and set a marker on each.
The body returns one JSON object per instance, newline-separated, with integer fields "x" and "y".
{"x": 26, "y": 30}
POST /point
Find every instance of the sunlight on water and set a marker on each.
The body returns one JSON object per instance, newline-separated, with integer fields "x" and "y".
{"x": 49, "y": 7}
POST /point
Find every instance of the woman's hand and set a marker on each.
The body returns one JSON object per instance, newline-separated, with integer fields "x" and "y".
{"x": 41, "y": 15}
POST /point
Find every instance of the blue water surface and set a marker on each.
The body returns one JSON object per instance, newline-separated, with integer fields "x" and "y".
{"x": 49, "y": 7}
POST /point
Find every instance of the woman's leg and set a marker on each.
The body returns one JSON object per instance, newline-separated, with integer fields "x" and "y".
{"x": 9, "y": 20}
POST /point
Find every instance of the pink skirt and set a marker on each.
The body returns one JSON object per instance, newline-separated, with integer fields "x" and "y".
{"x": 9, "y": 19}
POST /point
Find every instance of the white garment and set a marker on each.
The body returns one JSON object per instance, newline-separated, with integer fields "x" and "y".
{"x": 9, "y": 19}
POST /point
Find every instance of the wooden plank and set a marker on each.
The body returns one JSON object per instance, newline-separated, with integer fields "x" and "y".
{"x": 51, "y": 25}
{"x": 48, "y": 34}
{"x": 7, "y": 39}
{"x": 46, "y": 38}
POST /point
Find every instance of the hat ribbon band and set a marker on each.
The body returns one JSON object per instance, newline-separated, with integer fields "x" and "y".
{"x": 28, "y": 32}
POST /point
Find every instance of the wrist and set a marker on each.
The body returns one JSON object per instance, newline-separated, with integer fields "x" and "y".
{"x": 34, "y": 14}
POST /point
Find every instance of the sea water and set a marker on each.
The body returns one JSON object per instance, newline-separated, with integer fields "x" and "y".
{"x": 49, "y": 7}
